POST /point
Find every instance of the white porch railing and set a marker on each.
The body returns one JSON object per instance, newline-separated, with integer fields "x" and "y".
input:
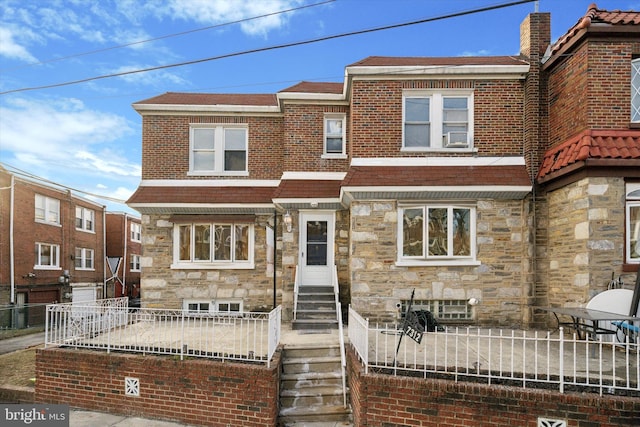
{"x": 296, "y": 290}
{"x": 343, "y": 356}
{"x": 250, "y": 337}
{"x": 524, "y": 358}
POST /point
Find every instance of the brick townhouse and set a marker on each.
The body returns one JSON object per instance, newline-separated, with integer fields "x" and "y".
{"x": 507, "y": 180}
{"x": 51, "y": 246}
{"x": 124, "y": 251}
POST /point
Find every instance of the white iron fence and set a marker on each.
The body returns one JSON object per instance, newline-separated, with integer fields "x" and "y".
{"x": 110, "y": 325}
{"x": 523, "y": 358}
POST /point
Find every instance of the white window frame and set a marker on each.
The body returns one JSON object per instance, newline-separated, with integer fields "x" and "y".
{"x": 47, "y": 210}
{"x": 632, "y": 234}
{"x": 429, "y": 260}
{"x": 86, "y": 258}
{"x": 341, "y": 117}
{"x": 635, "y": 90}
{"x": 87, "y": 219}
{"x": 192, "y": 263}
{"x": 54, "y": 263}
{"x": 217, "y": 308}
{"x": 187, "y": 305}
{"x": 136, "y": 232}
{"x": 219, "y": 147}
{"x": 134, "y": 264}
{"x": 436, "y": 119}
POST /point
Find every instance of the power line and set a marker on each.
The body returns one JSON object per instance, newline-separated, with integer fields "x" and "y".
{"x": 269, "y": 48}
{"x": 19, "y": 172}
{"x": 239, "y": 21}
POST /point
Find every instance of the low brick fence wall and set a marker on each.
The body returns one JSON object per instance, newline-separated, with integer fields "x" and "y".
{"x": 193, "y": 391}
{"x": 380, "y": 400}
{"x": 9, "y": 394}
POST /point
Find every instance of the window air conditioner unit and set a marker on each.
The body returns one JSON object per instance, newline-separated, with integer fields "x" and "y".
{"x": 456, "y": 139}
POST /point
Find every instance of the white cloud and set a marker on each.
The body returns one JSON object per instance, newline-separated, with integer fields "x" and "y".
{"x": 11, "y": 48}
{"x": 63, "y": 133}
{"x": 157, "y": 78}
{"x": 481, "y": 52}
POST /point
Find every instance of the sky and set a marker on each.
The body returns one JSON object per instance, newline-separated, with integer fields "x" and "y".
{"x": 87, "y": 137}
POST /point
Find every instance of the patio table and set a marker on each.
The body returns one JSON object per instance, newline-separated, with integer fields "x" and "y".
{"x": 587, "y": 319}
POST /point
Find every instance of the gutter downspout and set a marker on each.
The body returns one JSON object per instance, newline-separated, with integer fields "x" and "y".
{"x": 104, "y": 252}
{"x": 275, "y": 253}
{"x": 12, "y": 278}
{"x": 124, "y": 258}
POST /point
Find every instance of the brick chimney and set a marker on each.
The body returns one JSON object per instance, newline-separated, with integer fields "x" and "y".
{"x": 535, "y": 37}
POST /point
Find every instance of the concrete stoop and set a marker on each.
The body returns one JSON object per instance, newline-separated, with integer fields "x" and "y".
{"x": 316, "y": 309}
{"x": 311, "y": 387}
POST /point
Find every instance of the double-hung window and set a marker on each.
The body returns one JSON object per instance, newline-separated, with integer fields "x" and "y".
{"x": 633, "y": 223}
{"x": 635, "y": 90}
{"x": 47, "y": 256}
{"x": 436, "y": 233}
{"x": 84, "y": 259}
{"x": 211, "y": 245}
{"x": 47, "y": 210}
{"x": 218, "y": 150}
{"x": 135, "y": 263}
{"x": 334, "y": 136}
{"x": 437, "y": 121}
{"x": 85, "y": 219}
{"x": 135, "y": 232}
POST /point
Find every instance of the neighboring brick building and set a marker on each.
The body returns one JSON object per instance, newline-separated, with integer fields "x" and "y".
{"x": 51, "y": 245}
{"x": 124, "y": 252}
{"x": 465, "y": 177}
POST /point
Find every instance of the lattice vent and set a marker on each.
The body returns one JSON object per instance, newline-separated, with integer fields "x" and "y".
{"x": 547, "y": 422}
{"x": 131, "y": 386}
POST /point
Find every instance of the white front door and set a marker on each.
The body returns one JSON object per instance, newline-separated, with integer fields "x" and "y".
{"x": 316, "y": 257}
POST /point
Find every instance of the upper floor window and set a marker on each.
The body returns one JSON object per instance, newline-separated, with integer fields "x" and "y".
{"x": 633, "y": 223}
{"x": 334, "y": 135}
{"x": 437, "y": 233}
{"x": 84, "y": 259}
{"x": 135, "y": 231}
{"x": 635, "y": 90}
{"x": 47, "y": 210}
{"x": 213, "y": 246}
{"x": 47, "y": 256}
{"x": 135, "y": 263}
{"x": 85, "y": 219}
{"x": 437, "y": 120}
{"x": 218, "y": 150}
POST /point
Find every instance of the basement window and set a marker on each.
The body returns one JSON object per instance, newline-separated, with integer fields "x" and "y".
{"x": 443, "y": 310}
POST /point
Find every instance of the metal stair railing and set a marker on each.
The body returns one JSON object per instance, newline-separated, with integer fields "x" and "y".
{"x": 343, "y": 357}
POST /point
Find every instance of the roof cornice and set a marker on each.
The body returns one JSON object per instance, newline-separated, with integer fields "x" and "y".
{"x": 440, "y": 71}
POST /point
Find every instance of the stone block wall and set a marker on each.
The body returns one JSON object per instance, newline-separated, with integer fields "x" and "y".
{"x": 499, "y": 281}
{"x": 163, "y": 287}
{"x": 586, "y": 231}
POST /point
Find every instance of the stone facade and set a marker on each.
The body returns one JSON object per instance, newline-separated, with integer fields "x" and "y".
{"x": 378, "y": 284}
{"x": 586, "y": 223}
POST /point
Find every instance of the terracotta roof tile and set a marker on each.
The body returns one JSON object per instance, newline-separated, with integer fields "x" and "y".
{"x": 175, "y": 195}
{"x": 436, "y": 176}
{"x": 304, "y": 188}
{"x": 181, "y": 98}
{"x": 316, "y": 87}
{"x": 386, "y": 61}
{"x": 597, "y": 16}
{"x": 592, "y": 144}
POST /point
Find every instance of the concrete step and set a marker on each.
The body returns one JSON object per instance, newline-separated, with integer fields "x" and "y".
{"x": 305, "y": 365}
{"x": 316, "y": 314}
{"x": 315, "y": 289}
{"x": 313, "y": 304}
{"x": 314, "y": 324}
{"x": 310, "y": 379}
{"x": 311, "y": 350}
{"x": 308, "y": 414}
{"x": 324, "y": 395}
{"x": 318, "y": 424}
{"x": 317, "y": 298}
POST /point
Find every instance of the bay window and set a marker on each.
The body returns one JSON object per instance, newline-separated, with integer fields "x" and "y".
{"x": 436, "y": 233}
{"x": 210, "y": 245}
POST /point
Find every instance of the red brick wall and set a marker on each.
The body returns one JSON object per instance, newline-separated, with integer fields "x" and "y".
{"x": 193, "y": 391}
{"x": 165, "y": 145}
{"x": 376, "y": 116}
{"x": 591, "y": 88}
{"x": 304, "y": 138}
{"x": 380, "y": 400}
